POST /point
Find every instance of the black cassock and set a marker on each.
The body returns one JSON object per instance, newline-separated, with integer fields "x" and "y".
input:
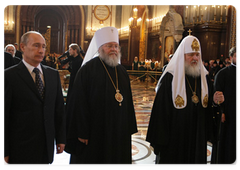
{"x": 98, "y": 117}
{"x": 180, "y": 135}
{"x": 225, "y": 81}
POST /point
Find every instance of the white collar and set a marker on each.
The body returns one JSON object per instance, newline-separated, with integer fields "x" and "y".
{"x": 30, "y": 67}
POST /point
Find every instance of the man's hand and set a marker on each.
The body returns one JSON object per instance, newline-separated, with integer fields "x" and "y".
{"x": 83, "y": 140}
{"x": 223, "y": 118}
{"x": 218, "y": 97}
{"x": 60, "y": 148}
{"x": 6, "y": 159}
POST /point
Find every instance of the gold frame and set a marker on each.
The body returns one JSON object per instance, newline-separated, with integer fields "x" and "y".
{"x": 101, "y": 19}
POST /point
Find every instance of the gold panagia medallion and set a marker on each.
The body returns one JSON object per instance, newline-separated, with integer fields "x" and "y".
{"x": 195, "y": 98}
{"x": 119, "y": 97}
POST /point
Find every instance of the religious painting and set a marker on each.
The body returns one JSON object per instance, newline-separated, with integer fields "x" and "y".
{"x": 169, "y": 44}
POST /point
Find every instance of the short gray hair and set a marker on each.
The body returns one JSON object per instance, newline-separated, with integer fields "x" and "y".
{"x": 24, "y": 38}
{"x": 10, "y": 45}
{"x": 232, "y": 51}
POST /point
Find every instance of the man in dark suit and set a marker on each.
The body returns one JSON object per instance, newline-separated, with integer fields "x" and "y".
{"x": 18, "y": 53}
{"x": 34, "y": 107}
{"x": 8, "y": 60}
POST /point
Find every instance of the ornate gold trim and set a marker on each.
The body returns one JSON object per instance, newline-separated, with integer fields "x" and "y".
{"x": 195, "y": 46}
{"x": 179, "y": 102}
{"x": 205, "y": 101}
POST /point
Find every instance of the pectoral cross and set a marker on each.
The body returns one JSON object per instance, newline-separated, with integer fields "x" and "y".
{"x": 189, "y": 31}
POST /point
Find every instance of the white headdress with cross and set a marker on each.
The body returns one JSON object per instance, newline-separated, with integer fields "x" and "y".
{"x": 176, "y": 67}
{"x": 101, "y": 36}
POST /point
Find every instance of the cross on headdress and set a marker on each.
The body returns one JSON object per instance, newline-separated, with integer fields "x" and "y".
{"x": 189, "y": 31}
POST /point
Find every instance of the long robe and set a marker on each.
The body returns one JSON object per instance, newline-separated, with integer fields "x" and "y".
{"x": 179, "y": 135}
{"x": 98, "y": 117}
{"x": 225, "y": 81}
{"x": 76, "y": 63}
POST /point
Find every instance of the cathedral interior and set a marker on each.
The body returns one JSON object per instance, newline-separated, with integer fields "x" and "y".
{"x": 146, "y": 31}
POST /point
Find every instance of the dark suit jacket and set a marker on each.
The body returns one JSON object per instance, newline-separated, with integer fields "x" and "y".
{"x": 18, "y": 54}
{"x": 8, "y": 60}
{"x": 31, "y": 124}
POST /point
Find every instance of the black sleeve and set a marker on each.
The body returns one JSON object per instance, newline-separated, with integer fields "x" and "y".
{"x": 159, "y": 125}
{"x": 7, "y": 107}
{"x": 60, "y": 117}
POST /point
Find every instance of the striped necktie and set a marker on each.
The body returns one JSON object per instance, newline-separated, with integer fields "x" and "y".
{"x": 38, "y": 82}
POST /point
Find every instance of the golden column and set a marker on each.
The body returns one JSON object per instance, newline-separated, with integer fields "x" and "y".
{"x": 47, "y": 37}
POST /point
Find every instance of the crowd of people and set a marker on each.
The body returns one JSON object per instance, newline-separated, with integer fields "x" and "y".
{"x": 151, "y": 65}
{"x": 213, "y": 66}
{"x": 96, "y": 124}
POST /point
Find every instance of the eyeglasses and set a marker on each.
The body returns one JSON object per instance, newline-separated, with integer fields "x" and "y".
{"x": 110, "y": 46}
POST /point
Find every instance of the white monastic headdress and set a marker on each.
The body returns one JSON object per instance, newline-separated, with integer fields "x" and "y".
{"x": 102, "y": 36}
{"x": 176, "y": 67}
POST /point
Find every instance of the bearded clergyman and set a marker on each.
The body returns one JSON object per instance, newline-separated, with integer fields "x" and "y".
{"x": 181, "y": 121}
{"x": 103, "y": 116}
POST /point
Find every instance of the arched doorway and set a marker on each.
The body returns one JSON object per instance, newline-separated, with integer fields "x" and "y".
{"x": 67, "y": 24}
{"x": 49, "y": 17}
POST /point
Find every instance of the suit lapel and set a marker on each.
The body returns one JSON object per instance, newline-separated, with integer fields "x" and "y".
{"x": 27, "y": 78}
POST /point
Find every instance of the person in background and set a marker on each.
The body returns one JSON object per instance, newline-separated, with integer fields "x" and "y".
{"x": 225, "y": 82}
{"x": 206, "y": 65}
{"x": 165, "y": 66}
{"x": 34, "y": 117}
{"x": 18, "y": 53}
{"x": 211, "y": 64}
{"x": 221, "y": 65}
{"x": 228, "y": 64}
{"x": 8, "y": 60}
{"x": 152, "y": 65}
{"x": 75, "y": 60}
{"x": 142, "y": 68}
{"x": 227, "y": 60}
{"x": 213, "y": 71}
{"x": 11, "y": 49}
{"x": 135, "y": 64}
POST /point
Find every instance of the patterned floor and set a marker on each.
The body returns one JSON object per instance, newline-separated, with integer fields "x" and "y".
{"x": 143, "y": 98}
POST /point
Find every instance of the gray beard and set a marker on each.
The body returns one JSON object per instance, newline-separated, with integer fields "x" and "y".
{"x": 193, "y": 71}
{"x": 111, "y": 59}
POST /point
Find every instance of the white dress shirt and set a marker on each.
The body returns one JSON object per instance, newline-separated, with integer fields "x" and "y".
{"x": 30, "y": 69}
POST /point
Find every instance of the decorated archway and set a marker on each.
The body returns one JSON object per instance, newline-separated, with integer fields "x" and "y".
{"x": 67, "y": 24}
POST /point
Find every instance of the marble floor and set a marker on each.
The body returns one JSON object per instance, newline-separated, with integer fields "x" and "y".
{"x": 143, "y": 97}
